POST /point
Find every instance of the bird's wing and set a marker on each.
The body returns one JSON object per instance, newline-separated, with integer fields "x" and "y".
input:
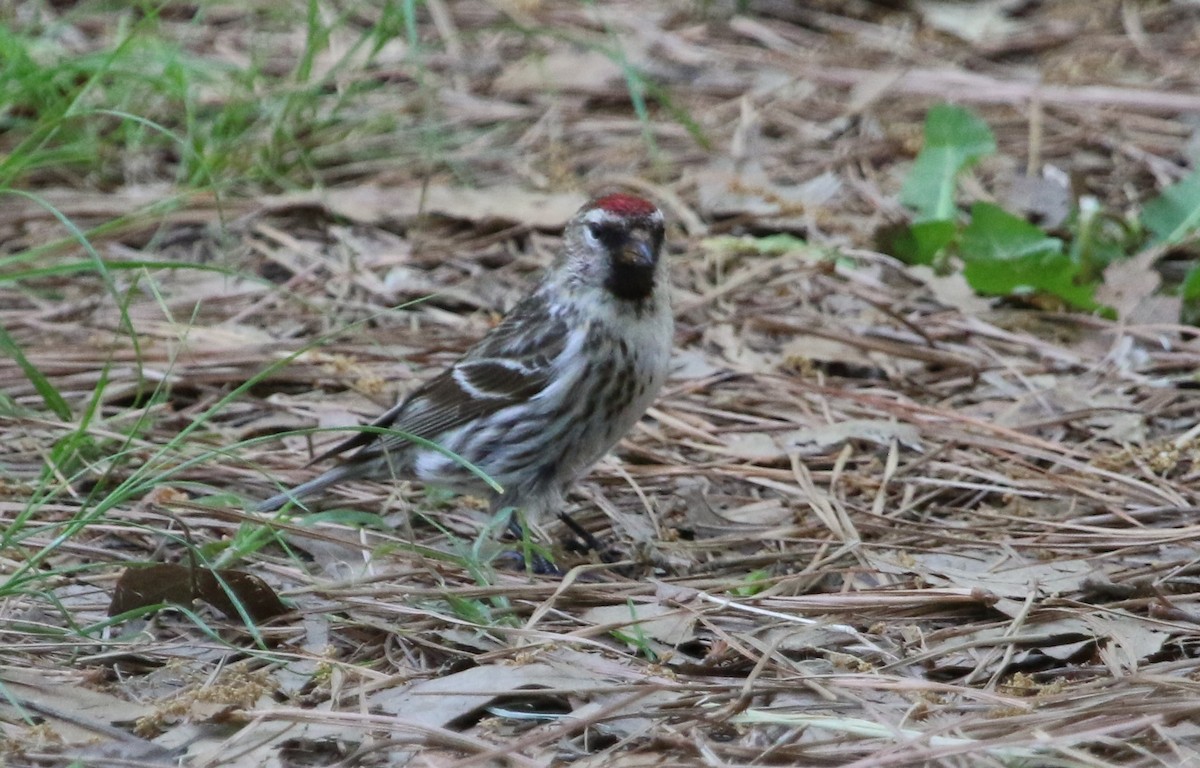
{"x": 510, "y": 365}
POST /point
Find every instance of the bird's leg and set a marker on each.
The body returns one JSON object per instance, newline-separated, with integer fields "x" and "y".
{"x": 590, "y": 542}
{"x": 514, "y": 528}
{"x": 527, "y": 557}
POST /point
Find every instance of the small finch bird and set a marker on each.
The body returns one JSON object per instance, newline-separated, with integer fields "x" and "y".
{"x": 544, "y": 395}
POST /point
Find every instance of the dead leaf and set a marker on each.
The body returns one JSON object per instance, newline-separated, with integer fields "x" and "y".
{"x": 78, "y": 712}
{"x": 1110, "y": 412}
{"x": 761, "y": 515}
{"x": 373, "y": 204}
{"x": 829, "y": 436}
{"x": 737, "y": 184}
{"x": 572, "y": 70}
{"x": 181, "y": 585}
{"x": 819, "y": 349}
{"x": 793, "y": 638}
{"x": 626, "y": 716}
{"x": 663, "y": 623}
{"x": 1004, "y": 575}
{"x": 1130, "y": 288}
{"x": 1129, "y": 643}
{"x": 210, "y": 748}
{"x": 724, "y": 192}
{"x": 691, "y": 364}
{"x": 734, "y": 514}
{"x": 733, "y": 348}
{"x": 952, "y": 290}
{"x": 974, "y": 22}
{"x": 983, "y": 651}
{"x": 441, "y": 700}
{"x": 1045, "y": 200}
{"x": 752, "y": 446}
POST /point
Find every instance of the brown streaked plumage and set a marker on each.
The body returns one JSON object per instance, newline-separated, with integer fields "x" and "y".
{"x": 544, "y": 395}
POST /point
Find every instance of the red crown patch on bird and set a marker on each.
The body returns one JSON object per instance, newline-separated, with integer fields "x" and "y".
{"x": 622, "y": 204}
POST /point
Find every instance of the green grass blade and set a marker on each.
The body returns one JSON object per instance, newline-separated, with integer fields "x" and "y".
{"x": 45, "y": 389}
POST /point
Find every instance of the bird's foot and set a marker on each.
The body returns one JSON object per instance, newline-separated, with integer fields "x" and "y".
{"x": 527, "y": 557}
{"x": 584, "y": 543}
{"x": 511, "y": 559}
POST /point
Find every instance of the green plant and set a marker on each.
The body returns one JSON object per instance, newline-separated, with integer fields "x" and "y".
{"x": 635, "y": 635}
{"x": 1002, "y": 254}
{"x": 752, "y": 583}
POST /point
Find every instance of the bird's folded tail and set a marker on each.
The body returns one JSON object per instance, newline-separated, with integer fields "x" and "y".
{"x": 304, "y": 490}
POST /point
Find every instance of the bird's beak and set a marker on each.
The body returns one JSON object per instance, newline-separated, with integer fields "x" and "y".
{"x": 638, "y": 253}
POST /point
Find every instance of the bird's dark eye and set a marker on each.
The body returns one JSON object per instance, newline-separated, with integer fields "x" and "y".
{"x": 608, "y": 234}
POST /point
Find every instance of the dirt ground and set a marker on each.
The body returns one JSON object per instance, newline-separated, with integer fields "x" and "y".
{"x": 873, "y": 520}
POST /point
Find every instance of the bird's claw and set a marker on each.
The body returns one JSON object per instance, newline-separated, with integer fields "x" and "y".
{"x": 535, "y": 563}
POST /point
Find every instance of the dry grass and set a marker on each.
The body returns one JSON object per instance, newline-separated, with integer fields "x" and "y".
{"x": 872, "y": 520}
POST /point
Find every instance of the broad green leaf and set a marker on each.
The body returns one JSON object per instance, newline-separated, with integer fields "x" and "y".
{"x": 1174, "y": 215}
{"x": 923, "y": 241}
{"x": 1005, "y": 255}
{"x": 1189, "y": 292}
{"x": 955, "y": 138}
